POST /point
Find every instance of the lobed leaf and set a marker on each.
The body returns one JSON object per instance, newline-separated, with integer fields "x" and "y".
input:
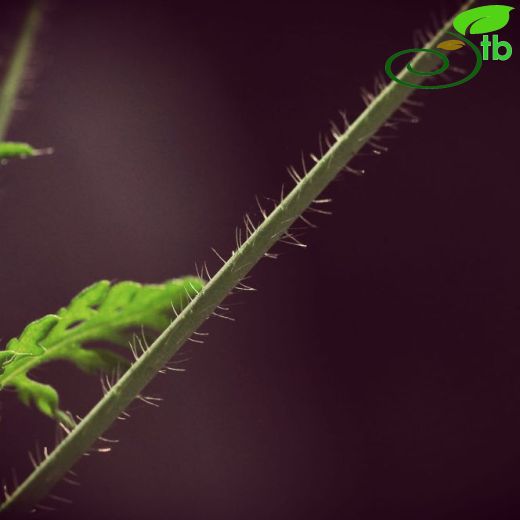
{"x": 101, "y": 312}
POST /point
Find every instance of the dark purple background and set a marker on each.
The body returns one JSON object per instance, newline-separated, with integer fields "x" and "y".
{"x": 375, "y": 374}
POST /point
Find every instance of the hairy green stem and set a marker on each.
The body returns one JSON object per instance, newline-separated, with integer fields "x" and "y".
{"x": 274, "y": 226}
{"x": 12, "y": 82}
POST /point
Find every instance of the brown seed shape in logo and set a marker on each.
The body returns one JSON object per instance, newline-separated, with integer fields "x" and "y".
{"x": 451, "y": 45}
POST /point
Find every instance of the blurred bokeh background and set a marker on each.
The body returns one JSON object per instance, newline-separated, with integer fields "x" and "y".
{"x": 374, "y": 374}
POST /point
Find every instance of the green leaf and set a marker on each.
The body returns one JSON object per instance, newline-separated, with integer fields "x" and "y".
{"x": 12, "y": 150}
{"x": 101, "y": 312}
{"x": 481, "y": 20}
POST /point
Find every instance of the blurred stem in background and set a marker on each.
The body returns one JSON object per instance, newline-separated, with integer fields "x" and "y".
{"x": 12, "y": 81}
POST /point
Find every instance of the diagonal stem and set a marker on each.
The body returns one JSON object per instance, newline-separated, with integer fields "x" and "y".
{"x": 103, "y": 414}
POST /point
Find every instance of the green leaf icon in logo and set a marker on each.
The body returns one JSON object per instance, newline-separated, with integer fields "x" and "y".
{"x": 485, "y": 19}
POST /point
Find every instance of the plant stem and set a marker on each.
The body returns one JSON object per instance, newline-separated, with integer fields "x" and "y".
{"x": 12, "y": 82}
{"x": 274, "y": 226}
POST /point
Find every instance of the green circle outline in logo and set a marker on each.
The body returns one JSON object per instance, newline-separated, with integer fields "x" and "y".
{"x": 440, "y": 70}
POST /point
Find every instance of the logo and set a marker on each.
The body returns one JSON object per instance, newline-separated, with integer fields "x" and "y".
{"x": 479, "y": 20}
